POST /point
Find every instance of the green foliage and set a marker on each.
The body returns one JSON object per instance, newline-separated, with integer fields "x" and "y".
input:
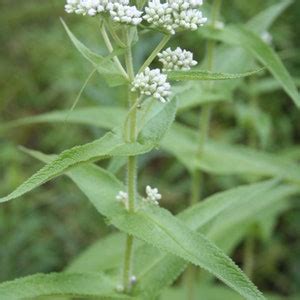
{"x": 260, "y": 50}
{"x": 206, "y": 75}
{"x": 252, "y": 136}
{"x": 159, "y": 228}
{"x": 104, "y": 66}
{"x": 88, "y": 285}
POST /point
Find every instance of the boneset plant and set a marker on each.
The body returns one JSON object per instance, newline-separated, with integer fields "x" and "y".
{"x": 158, "y": 246}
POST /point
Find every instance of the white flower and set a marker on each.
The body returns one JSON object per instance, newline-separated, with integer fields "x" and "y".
{"x": 160, "y": 15}
{"x": 175, "y": 14}
{"x": 71, "y": 6}
{"x": 125, "y": 14}
{"x": 152, "y": 83}
{"x": 190, "y": 19}
{"x": 119, "y": 10}
{"x": 153, "y": 195}
{"x": 122, "y": 197}
{"x": 177, "y": 59}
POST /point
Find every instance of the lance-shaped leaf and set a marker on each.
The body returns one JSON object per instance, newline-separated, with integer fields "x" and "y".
{"x": 263, "y": 21}
{"x": 105, "y": 66}
{"x": 219, "y": 158}
{"x": 110, "y": 145}
{"x": 159, "y": 228}
{"x": 106, "y": 117}
{"x": 87, "y": 285}
{"x": 207, "y": 75}
{"x": 251, "y": 42}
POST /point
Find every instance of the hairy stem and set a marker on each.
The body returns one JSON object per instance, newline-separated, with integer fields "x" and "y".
{"x": 152, "y": 56}
{"x": 114, "y": 35}
{"x": 131, "y": 166}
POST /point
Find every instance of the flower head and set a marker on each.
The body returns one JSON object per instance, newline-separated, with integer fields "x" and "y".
{"x": 178, "y": 59}
{"x": 175, "y": 14}
{"x": 153, "y": 195}
{"x": 152, "y": 83}
{"x": 119, "y": 10}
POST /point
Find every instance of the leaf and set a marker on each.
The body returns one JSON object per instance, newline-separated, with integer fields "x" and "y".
{"x": 105, "y": 67}
{"x": 165, "y": 267}
{"x": 263, "y": 21}
{"x": 235, "y": 59}
{"x": 190, "y": 95}
{"x": 87, "y": 285}
{"x": 109, "y": 145}
{"x": 158, "y": 227}
{"x": 249, "y": 211}
{"x": 106, "y": 117}
{"x": 261, "y": 51}
{"x": 159, "y": 123}
{"x": 207, "y": 75}
{"x": 219, "y": 158}
{"x": 207, "y": 292}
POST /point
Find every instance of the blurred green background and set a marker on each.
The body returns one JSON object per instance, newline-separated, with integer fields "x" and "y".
{"x": 40, "y": 71}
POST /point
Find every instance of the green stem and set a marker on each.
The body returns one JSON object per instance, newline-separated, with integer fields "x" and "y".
{"x": 131, "y": 167}
{"x": 111, "y": 49}
{"x": 152, "y": 56}
{"x": 114, "y": 34}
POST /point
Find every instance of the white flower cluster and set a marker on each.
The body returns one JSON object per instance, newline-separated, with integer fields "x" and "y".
{"x": 119, "y": 10}
{"x": 172, "y": 15}
{"x": 152, "y": 83}
{"x": 153, "y": 196}
{"x": 178, "y": 59}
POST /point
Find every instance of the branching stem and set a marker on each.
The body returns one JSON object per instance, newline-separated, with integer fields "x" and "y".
{"x": 111, "y": 49}
{"x": 152, "y": 56}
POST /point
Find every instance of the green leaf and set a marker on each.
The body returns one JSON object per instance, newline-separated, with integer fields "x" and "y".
{"x": 261, "y": 51}
{"x": 87, "y": 285}
{"x": 163, "y": 269}
{"x": 263, "y": 21}
{"x": 249, "y": 211}
{"x": 159, "y": 228}
{"x": 109, "y": 145}
{"x": 227, "y": 56}
{"x": 207, "y": 292}
{"x": 106, "y": 117}
{"x": 207, "y": 75}
{"x": 190, "y": 95}
{"x": 219, "y": 158}
{"x": 159, "y": 123}
{"x": 105, "y": 66}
